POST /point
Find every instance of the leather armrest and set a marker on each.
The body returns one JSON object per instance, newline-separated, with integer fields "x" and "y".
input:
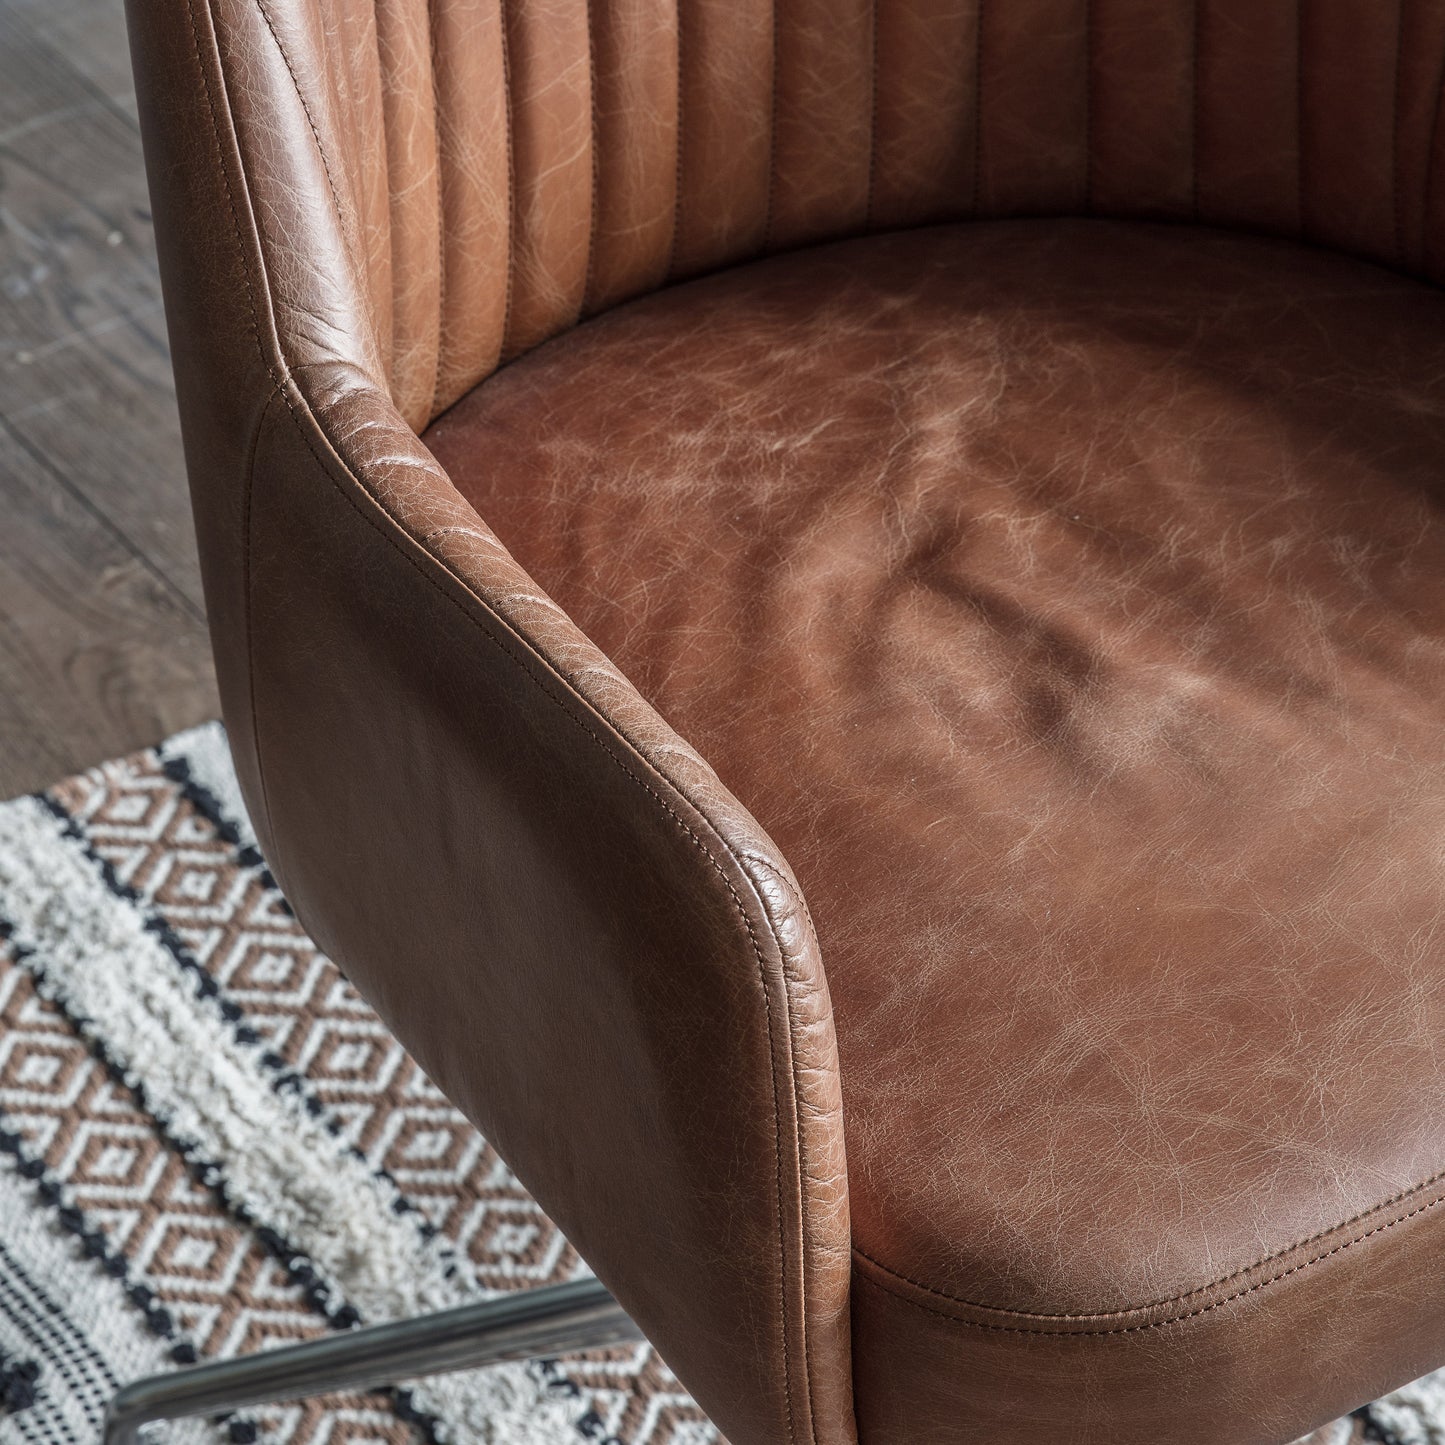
{"x": 554, "y": 903}
{"x": 588, "y": 944}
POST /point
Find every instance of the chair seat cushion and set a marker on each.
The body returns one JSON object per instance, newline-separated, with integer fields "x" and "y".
{"x": 1068, "y": 601}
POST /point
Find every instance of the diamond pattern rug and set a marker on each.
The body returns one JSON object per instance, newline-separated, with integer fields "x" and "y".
{"x": 210, "y": 1145}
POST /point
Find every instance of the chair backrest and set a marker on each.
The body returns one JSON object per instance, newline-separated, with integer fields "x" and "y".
{"x": 503, "y": 169}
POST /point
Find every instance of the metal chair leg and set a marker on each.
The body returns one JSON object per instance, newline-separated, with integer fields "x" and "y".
{"x": 555, "y": 1320}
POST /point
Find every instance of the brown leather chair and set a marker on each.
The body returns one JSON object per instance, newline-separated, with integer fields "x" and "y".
{"x": 1006, "y": 441}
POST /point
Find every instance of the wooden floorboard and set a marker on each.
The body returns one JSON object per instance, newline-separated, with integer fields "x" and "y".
{"x": 91, "y": 35}
{"x": 102, "y": 631}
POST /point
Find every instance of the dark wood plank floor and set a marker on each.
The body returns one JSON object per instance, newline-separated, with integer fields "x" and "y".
{"x": 102, "y": 630}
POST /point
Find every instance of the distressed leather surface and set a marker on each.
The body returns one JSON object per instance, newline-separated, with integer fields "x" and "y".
{"x": 499, "y": 170}
{"x": 363, "y": 207}
{"x": 1067, "y": 599}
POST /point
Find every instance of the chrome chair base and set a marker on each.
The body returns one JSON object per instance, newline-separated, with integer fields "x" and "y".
{"x": 552, "y": 1321}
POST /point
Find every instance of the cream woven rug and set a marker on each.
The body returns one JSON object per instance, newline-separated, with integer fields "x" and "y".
{"x": 209, "y": 1145}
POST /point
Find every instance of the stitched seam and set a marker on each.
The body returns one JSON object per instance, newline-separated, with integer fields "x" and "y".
{"x": 436, "y": 391}
{"x": 804, "y": 1173}
{"x": 1198, "y": 108}
{"x": 226, "y": 181}
{"x": 672, "y": 244}
{"x": 1154, "y": 1324}
{"x": 310, "y": 121}
{"x": 270, "y": 371}
{"x": 772, "y": 137}
{"x": 455, "y": 530}
{"x": 1431, "y": 151}
{"x": 249, "y": 488}
{"x": 783, "y": 879}
{"x": 1395, "y": 133}
{"x": 502, "y": 22}
{"x": 593, "y": 218}
{"x": 1299, "y": 88}
{"x": 804, "y": 1237}
{"x": 978, "y": 110}
{"x": 1088, "y": 107}
{"x": 872, "y": 119}
{"x": 1315, "y": 1238}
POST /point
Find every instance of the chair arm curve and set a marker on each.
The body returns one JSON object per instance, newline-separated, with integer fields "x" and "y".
{"x": 585, "y": 939}
{"x": 555, "y": 904}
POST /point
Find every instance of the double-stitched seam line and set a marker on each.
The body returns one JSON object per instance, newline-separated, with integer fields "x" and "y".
{"x": 1223, "y": 1280}
{"x": 230, "y": 197}
{"x": 804, "y": 1234}
{"x": 593, "y": 218}
{"x": 804, "y": 1237}
{"x": 1153, "y": 1324}
{"x": 508, "y": 107}
{"x": 438, "y": 118}
{"x": 679, "y": 9}
{"x": 1395, "y": 133}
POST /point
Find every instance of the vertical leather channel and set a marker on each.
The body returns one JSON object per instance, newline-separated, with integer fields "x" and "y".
{"x": 635, "y": 109}
{"x": 504, "y": 168}
{"x": 549, "y": 81}
{"x": 1418, "y": 116}
{"x": 1248, "y": 78}
{"x": 1349, "y": 90}
{"x": 347, "y": 59}
{"x": 1034, "y": 102}
{"x": 925, "y": 123}
{"x": 822, "y": 120}
{"x": 726, "y": 65}
{"x": 403, "y": 34}
{"x": 470, "y": 86}
{"x": 1141, "y": 108}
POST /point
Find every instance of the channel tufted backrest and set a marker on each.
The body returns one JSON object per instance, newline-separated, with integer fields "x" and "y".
{"x": 506, "y": 167}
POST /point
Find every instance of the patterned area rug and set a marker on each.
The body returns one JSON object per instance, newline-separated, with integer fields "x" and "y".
{"x": 209, "y": 1145}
